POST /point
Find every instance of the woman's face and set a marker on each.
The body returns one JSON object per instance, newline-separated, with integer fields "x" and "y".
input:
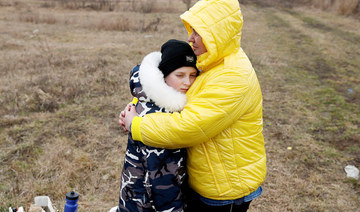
{"x": 181, "y": 79}
{"x": 197, "y": 43}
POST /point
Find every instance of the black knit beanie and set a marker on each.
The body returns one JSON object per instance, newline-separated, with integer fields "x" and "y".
{"x": 176, "y": 54}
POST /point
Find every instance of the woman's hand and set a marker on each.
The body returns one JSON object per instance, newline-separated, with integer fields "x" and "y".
{"x": 121, "y": 122}
{"x": 126, "y": 117}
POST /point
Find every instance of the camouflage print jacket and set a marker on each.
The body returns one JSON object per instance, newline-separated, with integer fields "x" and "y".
{"x": 152, "y": 177}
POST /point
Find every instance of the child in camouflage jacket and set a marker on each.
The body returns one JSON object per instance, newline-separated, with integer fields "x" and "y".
{"x": 152, "y": 178}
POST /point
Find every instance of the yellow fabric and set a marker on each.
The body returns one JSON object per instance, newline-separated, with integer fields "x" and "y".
{"x": 135, "y": 128}
{"x": 221, "y": 125}
{"x": 134, "y": 101}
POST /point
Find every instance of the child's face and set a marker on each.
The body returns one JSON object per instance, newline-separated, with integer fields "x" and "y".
{"x": 181, "y": 79}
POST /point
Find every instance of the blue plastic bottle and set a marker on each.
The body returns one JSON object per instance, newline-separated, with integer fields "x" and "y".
{"x": 71, "y": 202}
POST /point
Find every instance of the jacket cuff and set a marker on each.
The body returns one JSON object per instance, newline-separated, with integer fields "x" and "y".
{"x": 134, "y": 101}
{"x": 135, "y": 128}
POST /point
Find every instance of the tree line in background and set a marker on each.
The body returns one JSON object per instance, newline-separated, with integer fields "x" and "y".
{"x": 145, "y": 6}
{"x": 342, "y": 7}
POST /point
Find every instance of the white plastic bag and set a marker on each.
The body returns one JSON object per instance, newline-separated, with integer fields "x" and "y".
{"x": 352, "y": 172}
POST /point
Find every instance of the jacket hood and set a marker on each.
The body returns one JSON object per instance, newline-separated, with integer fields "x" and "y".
{"x": 219, "y": 23}
{"x": 154, "y": 86}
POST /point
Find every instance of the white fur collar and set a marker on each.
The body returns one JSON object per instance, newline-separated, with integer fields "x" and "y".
{"x": 153, "y": 83}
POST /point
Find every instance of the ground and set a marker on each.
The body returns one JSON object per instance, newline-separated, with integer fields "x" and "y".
{"x": 64, "y": 79}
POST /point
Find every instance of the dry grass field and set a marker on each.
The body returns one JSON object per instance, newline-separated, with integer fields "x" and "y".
{"x": 64, "y": 79}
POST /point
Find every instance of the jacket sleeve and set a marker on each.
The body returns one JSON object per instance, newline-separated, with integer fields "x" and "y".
{"x": 219, "y": 103}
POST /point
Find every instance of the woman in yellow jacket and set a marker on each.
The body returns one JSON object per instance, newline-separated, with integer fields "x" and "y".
{"x": 221, "y": 125}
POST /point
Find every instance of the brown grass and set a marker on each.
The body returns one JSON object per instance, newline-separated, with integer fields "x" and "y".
{"x": 63, "y": 83}
{"x": 347, "y": 7}
{"x": 105, "y": 21}
{"x": 342, "y": 7}
{"x": 308, "y": 176}
{"x": 142, "y": 6}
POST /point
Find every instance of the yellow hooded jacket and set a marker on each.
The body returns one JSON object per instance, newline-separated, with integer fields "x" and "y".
{"x": 221, "y": 125}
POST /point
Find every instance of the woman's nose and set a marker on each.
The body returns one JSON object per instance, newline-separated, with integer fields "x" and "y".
{"x": 191, "y": 38}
